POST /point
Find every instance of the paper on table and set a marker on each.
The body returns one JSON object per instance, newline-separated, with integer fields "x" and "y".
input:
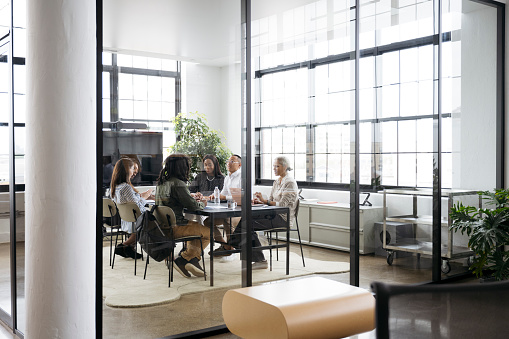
{"x": 214, "y": 207}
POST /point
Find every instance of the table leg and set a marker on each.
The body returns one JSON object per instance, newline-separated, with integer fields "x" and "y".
{"x": 288, "y": 243}
{"x": 211, "y": 269}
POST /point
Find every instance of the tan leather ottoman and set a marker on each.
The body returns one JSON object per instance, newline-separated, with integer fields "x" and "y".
{"x": 304, "y": 308}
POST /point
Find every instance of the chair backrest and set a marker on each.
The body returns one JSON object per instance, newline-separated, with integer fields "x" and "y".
{"x": 458, "y": 310}
{"x": 165, "y": 216}
{"x": 297, "y": 205}
{"x": 109, "y": 208}
{"x": 129, "y": 211}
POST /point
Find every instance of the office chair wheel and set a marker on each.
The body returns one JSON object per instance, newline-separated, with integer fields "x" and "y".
{"x": 446, "y": 267}
{"x": 390, "y": 258}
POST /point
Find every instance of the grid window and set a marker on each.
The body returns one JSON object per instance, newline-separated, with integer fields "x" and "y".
{"x": 146, "y": 92}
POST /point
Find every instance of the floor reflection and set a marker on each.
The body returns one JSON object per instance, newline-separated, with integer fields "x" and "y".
{"x": 201, "y": 310}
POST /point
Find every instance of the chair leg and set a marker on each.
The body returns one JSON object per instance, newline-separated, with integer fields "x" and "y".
{"x": 203, "y": 259}
{"x": 277, "y": 248}
{"x": 146, "y": 264}
{"x": 300, "y": 243}
{"x": 135, "y": 256}
{"x": 170, "y": 268}
{"x": 116, "y": 240}
{"x": 269, "y": 238}
{"x": 111, "y": 242}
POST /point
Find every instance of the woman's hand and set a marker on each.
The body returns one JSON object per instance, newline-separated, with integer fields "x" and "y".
{"x": 259, "y": 197}
{"x": 197, "y": 196}
{"x": 256, "y": 201}
{"x": 147, "y": 194}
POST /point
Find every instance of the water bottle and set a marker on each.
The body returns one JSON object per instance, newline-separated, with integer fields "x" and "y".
{"x": 216, "y": 196}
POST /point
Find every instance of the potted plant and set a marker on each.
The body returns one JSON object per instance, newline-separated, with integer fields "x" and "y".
{"x": 488, "y": 232}
{"x": 196, "y": 139}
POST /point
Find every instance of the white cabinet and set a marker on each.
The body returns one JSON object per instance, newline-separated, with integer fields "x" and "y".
{"x": 328, "y": 225}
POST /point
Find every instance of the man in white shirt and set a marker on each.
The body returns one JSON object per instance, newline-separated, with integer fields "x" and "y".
{"x": 232, "y": 180}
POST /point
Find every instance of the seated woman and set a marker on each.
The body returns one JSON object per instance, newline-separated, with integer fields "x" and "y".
{"x": 284, "y": 193}
{"x": 172, "y": 191}
{"x": 210, "y": 178}
{"x": 122, "y": 191}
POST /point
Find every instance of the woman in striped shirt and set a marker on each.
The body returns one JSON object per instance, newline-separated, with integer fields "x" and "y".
{"x": 122, "y": 191}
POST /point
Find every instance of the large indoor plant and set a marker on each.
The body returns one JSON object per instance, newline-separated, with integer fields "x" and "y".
{"x": 196, "y": 139}
{"x": 488, "y": 232}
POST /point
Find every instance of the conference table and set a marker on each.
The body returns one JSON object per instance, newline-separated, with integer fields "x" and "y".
{"x": 221, "y": 211}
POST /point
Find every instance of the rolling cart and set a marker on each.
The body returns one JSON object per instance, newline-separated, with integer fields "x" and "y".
{"x": 419, "y": 245}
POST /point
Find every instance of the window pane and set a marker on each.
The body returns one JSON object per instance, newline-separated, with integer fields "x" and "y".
{"x": 300, "y": 167}
{"x": 409, "y": 99}
{"x": 407, "y": 170}
{"x": 154, "y": 88}
{"x": 365, "y": 137}
{"x": 125, "y": 86}
{"x": 288, "y": 140}
{"x": 125, "y": 109}
{"x": 365, "y": 163}
{"x": 300, "y": 140}
{"x": 277, "y": 140}
{"x": 140, "y": 85}
{"x": 388, "y": 98}
{"x": 168, "y": 89}
{"x": 19, "y": 108}
{"x": 334, "y": 168}
{"x": 334, "y": 138}
{"x": 106, "y": 84}
{"x": 140, "y": 110}
{"x": 266, "y": 140}
{"x": 266, "y": 166}
{"x": 425, "y": 170}
{"x": 425, "y": 135}
{"x": 389, "y": 142}
{"x": 406, "y": 136}
{"x": 320, "y": 139}
{"x": 320, "y": 167}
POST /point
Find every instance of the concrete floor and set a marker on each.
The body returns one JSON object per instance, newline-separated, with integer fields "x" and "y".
{"x": 202, "y": 310}
{"x": 198, "y": 311}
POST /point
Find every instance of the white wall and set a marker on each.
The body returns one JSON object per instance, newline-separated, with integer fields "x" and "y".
{"x": 474, "y": 163}
{"x": 231, "y": 107}
{"x": 201, "y": 92}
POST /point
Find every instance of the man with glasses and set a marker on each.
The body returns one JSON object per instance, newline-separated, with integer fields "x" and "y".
{"x": 232, "y": 180}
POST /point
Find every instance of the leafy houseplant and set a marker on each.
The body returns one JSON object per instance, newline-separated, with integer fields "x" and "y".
{"x": 196, "y": 139}
{"x": 488, "y": 232}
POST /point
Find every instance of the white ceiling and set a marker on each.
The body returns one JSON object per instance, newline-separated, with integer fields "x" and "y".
{"x": 203, "y": 31}
{"x": 190, "y": 30}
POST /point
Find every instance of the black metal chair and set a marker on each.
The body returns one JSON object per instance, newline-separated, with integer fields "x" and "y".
{"x": 166, "y": 218}
{"x": 474, "y": 310}
{"x": 277, "y": 230}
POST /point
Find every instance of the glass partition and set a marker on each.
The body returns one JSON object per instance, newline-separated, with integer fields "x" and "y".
{"x": 6, "y": 293}
{"x": 470, "y": 110}
{"x": 396, "y": 133}
{"x": 303, "y": 104}
{"x": 384, "y": 116}
{"x": 187, "y": 66}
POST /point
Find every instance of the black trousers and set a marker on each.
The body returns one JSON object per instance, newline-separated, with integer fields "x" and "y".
{"x": 260, "y": 223}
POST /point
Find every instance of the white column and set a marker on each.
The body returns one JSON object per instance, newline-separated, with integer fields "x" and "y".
{"x": 60, "y": 169}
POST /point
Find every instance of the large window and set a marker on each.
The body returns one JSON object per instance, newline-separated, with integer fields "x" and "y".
{"x": 304, "y": 62}
{"x": 139, "y": 89}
